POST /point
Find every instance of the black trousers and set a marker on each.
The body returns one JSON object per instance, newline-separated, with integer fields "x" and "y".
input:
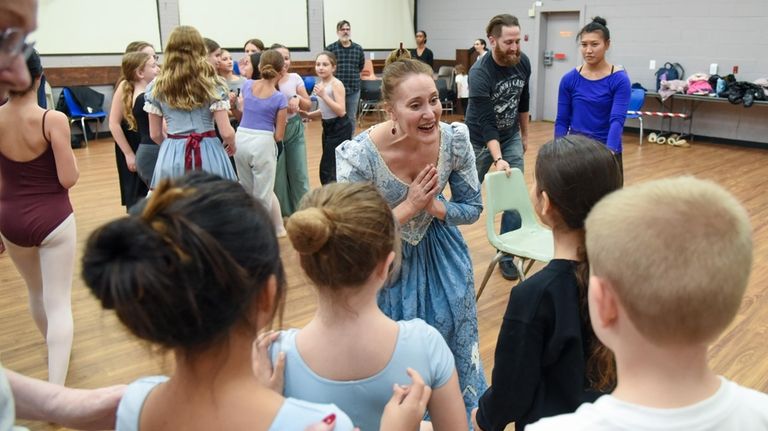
{"x": 335, "y": 131}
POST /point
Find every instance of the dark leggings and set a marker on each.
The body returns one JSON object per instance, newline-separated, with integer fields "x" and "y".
{"x": 335, "y": 131}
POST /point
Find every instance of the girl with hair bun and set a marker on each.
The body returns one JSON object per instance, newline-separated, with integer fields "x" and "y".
{"x": 260, "y": 133}
{"x": 200, "y": 282}
{"x": 351, "y": 353}
{"x": 593, "y": 98}
{"x": 37, "y": 224}
{"x": 548, "y": 360}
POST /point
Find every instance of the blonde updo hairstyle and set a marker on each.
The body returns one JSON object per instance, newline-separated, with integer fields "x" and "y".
{"x": 341, "y": 232}
{"x": 271, "y": 64}
{"x": 396, "y": 72}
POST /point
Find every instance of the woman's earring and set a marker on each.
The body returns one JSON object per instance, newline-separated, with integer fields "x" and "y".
{"x": 394, "y": 128}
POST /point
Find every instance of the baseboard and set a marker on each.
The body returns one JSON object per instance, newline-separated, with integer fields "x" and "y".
{"x": 712, "y": 139}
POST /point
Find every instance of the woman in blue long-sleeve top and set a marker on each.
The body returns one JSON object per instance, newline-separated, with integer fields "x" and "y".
{"x": 593, "y": 98}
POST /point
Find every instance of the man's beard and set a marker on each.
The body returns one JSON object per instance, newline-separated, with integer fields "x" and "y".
{"x": 505, "y": 59}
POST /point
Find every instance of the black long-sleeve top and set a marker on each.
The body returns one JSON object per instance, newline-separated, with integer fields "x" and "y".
{"x": 497, "y": 97}
{"x": 540, "y": 362}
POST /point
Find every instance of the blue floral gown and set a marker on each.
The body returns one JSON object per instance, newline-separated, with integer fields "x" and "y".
{"x": 191, "y": 143}
{"x": 435, "y": 282}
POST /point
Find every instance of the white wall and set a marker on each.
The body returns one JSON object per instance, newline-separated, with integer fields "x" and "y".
{"x": 694, "y": 33}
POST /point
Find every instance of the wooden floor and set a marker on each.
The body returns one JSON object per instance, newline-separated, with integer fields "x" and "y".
{"x": 105, "y": 354}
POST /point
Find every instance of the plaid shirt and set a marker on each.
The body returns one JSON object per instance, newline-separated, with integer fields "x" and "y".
{"x": 350, "y": 63}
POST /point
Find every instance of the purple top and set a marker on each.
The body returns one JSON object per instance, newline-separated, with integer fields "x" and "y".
{"x": 593, "y": 108}
{"x": 260, "y": 114}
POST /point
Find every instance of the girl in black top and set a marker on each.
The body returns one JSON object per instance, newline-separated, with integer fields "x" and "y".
{"x": 548, "y": 360}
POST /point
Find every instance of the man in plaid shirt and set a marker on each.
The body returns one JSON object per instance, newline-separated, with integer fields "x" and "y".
{"x": 350, "y": 60}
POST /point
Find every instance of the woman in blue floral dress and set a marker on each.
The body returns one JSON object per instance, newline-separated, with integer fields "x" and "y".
{"x": 411, "y": 159}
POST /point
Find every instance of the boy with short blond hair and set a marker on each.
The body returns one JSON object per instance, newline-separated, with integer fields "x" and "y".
{"x": 670, "y": 261}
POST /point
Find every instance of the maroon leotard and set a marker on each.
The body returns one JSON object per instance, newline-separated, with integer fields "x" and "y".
{"x": 32, "y": 201}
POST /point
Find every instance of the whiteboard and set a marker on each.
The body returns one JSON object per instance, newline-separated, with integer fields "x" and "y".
{"x": 95, "y": 26}
{"x": 231, "y": 22}
{"x": 378, "y": 25}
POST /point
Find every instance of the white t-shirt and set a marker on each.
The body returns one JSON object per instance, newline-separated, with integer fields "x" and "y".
{"x": 732, "y": 407}
{"x": 462, "y": 86}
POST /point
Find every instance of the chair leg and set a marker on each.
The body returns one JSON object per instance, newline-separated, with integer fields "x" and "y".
{"x": 641, "y": 130}
{"x": 519, "y": 263}
{"x": 98, "y": 126}
{"x": 488, "y": 273}
{"x": 527, "y": 267}
{"x": 85, "y": 132}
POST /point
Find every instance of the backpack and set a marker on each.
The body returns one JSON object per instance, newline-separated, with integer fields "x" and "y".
{"x": 669, "y": 72}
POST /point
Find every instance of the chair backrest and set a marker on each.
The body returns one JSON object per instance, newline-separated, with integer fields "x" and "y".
{"x": 367, "y": 72}
{"x": 442, "y": 89}
{"x": 503, "y": 193}
{"x": 370, "y": 90}
{"x": 447, "y": 74}
{"x": 636, "y": 99}
{"x": 74, "y": 108}
{"x": 309, "y": 83}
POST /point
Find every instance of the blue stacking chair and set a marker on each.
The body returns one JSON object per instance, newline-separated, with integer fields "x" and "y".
{"x": 636, "y": 100}
{"x": 309, "y": 83}
{"x": 77, "y": 113}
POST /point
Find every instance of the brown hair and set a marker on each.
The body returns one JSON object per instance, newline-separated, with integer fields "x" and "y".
{"x": 331, "y": 57}
{"x": 397, "y": 54}
{"x": 132, "y": 62}
{"x": 496, "y": 23}
{"x": 396, "y": 72}
{"x": 271, "y": 64}
{"x": 188, "y": 80}
{"x": 342, "y": 231}
{"x": 255, "y": 42}
{"x": 678, "y": 253}
{"x": 183, "y": 273}
{"x": 460, "y": 69}
{"x": 341, "y": 24}
{"x": 576, "y": 172}
{"x": 137, "y": 45}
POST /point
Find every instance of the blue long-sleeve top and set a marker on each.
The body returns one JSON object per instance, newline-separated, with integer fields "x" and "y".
{"x": 595, "y": 108}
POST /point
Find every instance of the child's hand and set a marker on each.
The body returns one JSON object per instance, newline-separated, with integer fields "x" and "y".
{"x": 319, "y": 89}
{"x": 407, "y": 406}
{"x": 262, "y": 364}
{"x": 293, "y": 105}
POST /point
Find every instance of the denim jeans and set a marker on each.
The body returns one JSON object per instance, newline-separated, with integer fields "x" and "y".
{"x": 352, "y": 100}
{"x": 512, "y": 153}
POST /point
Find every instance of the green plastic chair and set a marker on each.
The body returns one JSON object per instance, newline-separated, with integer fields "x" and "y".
{"x": 529, "y": 243}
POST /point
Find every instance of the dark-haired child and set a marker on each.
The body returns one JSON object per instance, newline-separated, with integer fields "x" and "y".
{"x": 547, "y": 360}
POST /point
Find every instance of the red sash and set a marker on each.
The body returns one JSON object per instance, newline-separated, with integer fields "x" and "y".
{"x": 193, "y": 159}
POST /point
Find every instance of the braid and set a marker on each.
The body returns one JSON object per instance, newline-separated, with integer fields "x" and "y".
{"x": 128, "y": 104}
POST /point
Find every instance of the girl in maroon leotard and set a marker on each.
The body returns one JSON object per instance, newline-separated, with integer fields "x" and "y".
{"x": 37, "y": 167}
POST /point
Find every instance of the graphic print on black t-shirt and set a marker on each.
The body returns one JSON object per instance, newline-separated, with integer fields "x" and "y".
{"x": 505, "y": 99}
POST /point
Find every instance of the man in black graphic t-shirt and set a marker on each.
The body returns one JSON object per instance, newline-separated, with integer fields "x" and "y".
{"x": 497, "y": 115}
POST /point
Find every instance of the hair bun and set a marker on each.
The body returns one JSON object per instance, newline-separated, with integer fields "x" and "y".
{"x": 600, "y": 20}
{"x": 122, "y": 245}
{"x": 309, "y": 230}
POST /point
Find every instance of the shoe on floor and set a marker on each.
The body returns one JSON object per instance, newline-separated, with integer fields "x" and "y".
{"x": 508, "y": 269}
